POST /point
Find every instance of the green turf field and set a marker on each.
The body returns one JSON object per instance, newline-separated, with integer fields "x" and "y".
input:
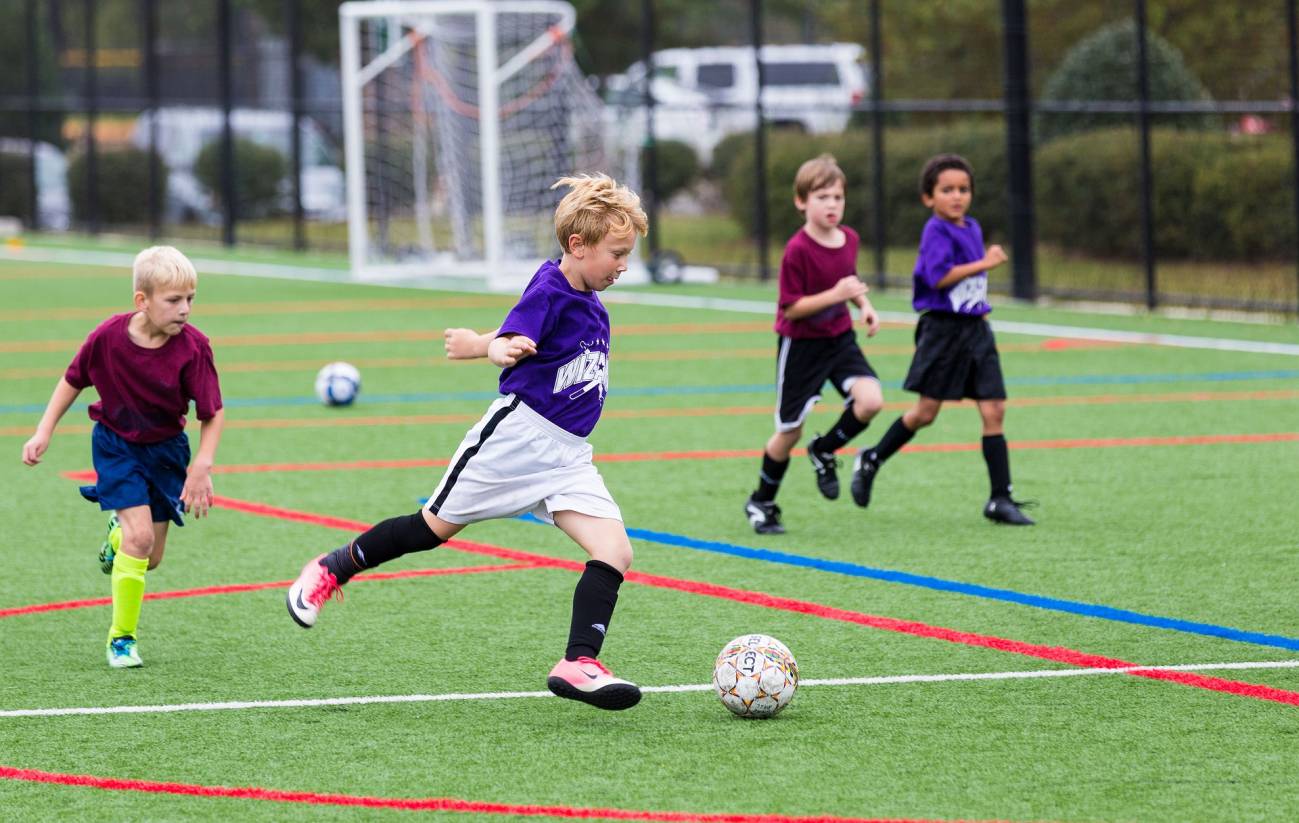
{"x": 1165, "y": 476}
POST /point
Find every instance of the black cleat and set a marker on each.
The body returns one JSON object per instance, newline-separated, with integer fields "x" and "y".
{"x": 864, "y": 470}
{"x": 1005, "y": 510}
{"x": 824, "y": 464}
{"x": 764, "y": 515}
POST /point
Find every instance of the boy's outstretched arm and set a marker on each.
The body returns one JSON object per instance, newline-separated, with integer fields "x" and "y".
{"x": 197, "y": 494}
{"x": 466, "y": 344}
{"x": 509, "y": 349}
{"x": 992, "y": 258}
{"x": 60, "y": 402}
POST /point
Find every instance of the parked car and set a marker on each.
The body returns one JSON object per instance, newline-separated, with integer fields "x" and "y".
{"x": 53, "y": 206}
{"x": 702, "y": 95}
{"x": 183, "y": 131}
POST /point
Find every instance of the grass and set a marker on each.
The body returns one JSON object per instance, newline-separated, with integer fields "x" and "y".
{"x": 1162, "y": 475}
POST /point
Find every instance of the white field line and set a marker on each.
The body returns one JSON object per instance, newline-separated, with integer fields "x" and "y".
{"x": 247, "y": 268}
{"x": 439, "y": 698}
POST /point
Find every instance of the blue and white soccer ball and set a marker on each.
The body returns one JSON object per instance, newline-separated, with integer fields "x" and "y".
{"x": 338, "y": 384}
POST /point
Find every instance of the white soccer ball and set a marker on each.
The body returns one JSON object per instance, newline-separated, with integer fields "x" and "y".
{"x": 338, "y": 384}
{"x": 755, "y": 675}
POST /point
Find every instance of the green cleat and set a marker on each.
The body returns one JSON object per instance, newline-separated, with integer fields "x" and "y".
{"x": 122, "y": 653}
{"x": 112, "y": 542}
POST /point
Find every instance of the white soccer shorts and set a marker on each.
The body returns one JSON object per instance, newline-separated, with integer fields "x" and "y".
{"x": 514, "y": 461}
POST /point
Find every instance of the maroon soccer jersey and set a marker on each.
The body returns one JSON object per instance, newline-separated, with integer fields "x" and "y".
{"x": 810, "y": 268}
{"x": 145, "y": 393}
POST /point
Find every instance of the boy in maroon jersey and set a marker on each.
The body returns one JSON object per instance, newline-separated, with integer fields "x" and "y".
{"x": 147, "y": 365}
{"x": 816, "y": 341}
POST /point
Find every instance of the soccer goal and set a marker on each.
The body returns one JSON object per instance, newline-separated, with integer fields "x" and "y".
{"x": 458, "y": 116}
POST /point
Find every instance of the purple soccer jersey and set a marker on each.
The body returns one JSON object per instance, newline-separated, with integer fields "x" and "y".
{"x": 943, "y": 246}
{"x": 566, "y": 380}
{"x": 144, "y": 393}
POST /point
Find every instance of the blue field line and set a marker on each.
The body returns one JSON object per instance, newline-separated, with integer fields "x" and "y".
{"x": 957, "y": 587}
{"x": 763, "y": 388}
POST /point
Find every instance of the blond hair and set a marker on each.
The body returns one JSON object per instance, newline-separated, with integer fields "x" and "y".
{"x": 596, "y": 207}
{"x": 162, "y": 267}
{"x": 817, "y": 173}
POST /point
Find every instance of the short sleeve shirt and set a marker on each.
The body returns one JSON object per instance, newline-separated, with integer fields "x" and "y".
{"x": 144, "y": 394}
{"x": 567, "y": 379}
{"x": 811, "y": 268}
{"x": 944, "y": 246}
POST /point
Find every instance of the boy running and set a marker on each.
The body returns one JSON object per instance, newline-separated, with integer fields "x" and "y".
{"x": 147, "y": 366}
{"x": 529, "y": 453}
{"x": 956, "y": 354}
{"x": 815, "y": 341}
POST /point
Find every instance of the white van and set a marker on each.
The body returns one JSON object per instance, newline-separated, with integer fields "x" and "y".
{"x": 183, "y": 131}
{"x": 704, "y": 94}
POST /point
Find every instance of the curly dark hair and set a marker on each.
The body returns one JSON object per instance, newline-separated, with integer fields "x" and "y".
{"x": 938, "y": 164}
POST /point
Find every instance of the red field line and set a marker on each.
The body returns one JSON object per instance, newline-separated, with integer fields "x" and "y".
{"x": 1058, "y": 654}
{"x": 684, "y": 355}
{"x": 239, "y": 588}
{"x": 414, "y": 804}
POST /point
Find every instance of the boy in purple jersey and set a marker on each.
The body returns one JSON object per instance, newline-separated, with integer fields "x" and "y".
{"x": 956, "y": 355}
{"x": 529, "y": 453}
{"x": 815, "y": 341}
{"x": 147, "y": 366}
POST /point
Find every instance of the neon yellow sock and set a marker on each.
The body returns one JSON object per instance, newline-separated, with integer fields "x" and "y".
{"x": 128, "y": 593}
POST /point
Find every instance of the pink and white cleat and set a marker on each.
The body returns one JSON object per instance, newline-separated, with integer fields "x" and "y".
{"x": 588, "y": 680}
{"x": 308, "y": 594}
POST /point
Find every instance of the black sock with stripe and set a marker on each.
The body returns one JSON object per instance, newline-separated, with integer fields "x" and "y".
{"x": 769, "y": 478}
{"x": 593, "y": 601}
{"x": 383, "y": 542}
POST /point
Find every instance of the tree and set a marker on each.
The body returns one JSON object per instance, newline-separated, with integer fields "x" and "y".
{"x": 14, "y": 56}
{"x": 1103, "y": 67}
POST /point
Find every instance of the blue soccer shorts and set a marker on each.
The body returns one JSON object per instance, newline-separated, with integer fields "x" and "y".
{"x": 138, "y": 474}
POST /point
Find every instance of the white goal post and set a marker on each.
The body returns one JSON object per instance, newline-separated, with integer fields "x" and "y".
{"x": 458, "y": 115}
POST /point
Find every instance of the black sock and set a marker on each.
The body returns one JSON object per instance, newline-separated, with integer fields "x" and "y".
{"x": 593, "y": 601}
{"x": 769, "y": 478}
{"x": 384, "y": 541}
{"x": 997, "y": 456}
{"x": 847, "y": 427}
{"x": 895, "y": 438}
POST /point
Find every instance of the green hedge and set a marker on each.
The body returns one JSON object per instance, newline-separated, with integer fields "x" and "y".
{"x": 677, "y": 167}
{"x": 1214, "y": 196}
{"x": 905, "y": 151}
{"x": 15, "y": 187}
{"x": 123, "y": 185}
{"x": 259, "y": 172}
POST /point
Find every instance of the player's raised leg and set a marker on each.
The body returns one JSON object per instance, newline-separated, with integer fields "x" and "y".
{"x": 326, "y": 574}
{"x": 580, "y": 675}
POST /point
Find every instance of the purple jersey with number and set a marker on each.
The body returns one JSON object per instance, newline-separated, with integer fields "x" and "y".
{"x": 566, "y": 380}
{"x": 145, "y": 393}
{"x": 944, "y": 246}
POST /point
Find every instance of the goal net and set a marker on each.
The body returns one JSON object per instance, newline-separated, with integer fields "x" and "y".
{"x": 458, "y": 116}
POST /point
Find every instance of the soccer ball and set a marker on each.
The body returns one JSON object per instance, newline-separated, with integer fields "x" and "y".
{"x": 337, "y": 384}
{"x": 755, "y": 675}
